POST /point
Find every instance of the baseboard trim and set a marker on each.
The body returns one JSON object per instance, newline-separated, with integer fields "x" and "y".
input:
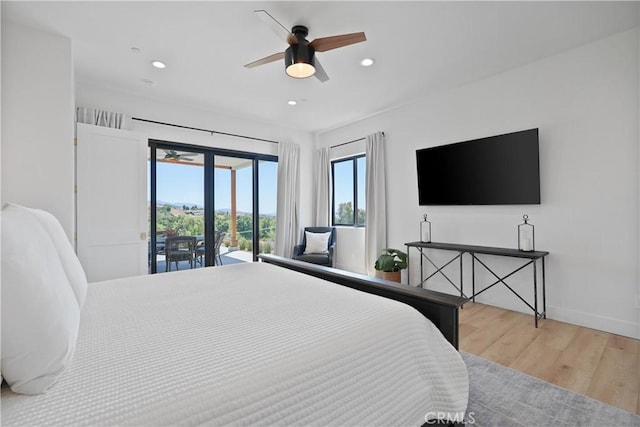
{"x": 594, "y": 321}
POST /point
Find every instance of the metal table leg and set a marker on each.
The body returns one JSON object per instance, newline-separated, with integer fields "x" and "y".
{"x": 544, "y": 296}
{"x": 535, "y": 293}
{"x": 461, "y": 284}
{"x": 473, "y": 278}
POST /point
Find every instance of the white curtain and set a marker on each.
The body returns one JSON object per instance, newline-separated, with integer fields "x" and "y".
{"x": 375, "y": 234}
{"x": 287, "y": 218}
{"x": 323, "y": 188}
{"x": 94, "y": 116}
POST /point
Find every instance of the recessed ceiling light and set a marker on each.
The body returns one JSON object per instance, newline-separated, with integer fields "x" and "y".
{"x": 291, "y": 102}
{"x": 158, "y": 64}
{"x": 367, "y": 62}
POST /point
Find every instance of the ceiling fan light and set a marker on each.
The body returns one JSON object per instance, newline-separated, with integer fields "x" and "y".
{"x": 300, "y": 70}
{"x": 299, "y": 60}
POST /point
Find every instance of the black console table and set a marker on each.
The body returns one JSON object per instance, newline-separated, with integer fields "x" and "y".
{"x": 531, "y": 258}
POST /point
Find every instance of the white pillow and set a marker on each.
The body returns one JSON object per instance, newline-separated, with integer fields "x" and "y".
{"x": 317, "y": 243}
{"x": 70, "y": 262}
{"x": 40, "y": 313}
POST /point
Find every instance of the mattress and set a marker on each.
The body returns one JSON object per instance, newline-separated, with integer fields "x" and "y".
{"x": 247, "y": 344}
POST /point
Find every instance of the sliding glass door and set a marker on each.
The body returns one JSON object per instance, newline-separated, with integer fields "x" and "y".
{"x": 209, "y": 197}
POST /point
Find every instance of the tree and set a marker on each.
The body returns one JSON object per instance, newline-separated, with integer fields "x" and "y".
{"x": 362, "y": 216}
{"x": 223, "y": 221}
{"x": 183, "y": 225}
{"x": 245, "y": 226}
{"x": 267, "y": 227}
{"x": 192, "y": 225}
{"x": 345, "y": 213}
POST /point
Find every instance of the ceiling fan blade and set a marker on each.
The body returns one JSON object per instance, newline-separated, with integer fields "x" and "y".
{"x": 278, "y": 29}
{"x": 324, "y": 44}
{"x": 266, "y": 60}
{"x": 320, "y": 74}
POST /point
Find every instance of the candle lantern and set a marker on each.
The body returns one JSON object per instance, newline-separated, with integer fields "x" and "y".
{"x": 425, "y": 230}
{"x": 526, "y": 235}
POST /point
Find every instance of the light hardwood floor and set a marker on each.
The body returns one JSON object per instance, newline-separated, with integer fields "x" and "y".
{"x": 600, "y": 365}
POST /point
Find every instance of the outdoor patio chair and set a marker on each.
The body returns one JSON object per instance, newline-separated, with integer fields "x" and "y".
{"x": 218, "y": 237}
{"x": 180, "y": 248}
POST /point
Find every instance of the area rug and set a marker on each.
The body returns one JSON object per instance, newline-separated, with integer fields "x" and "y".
{"x": 500, "y": 396}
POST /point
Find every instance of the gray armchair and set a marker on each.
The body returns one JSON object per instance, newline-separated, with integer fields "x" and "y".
{"x": 325, "y": 258}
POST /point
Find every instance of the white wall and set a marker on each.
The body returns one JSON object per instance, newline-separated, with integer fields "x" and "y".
{"x": 585, "y": 103}
{"x": 37, "y": 118}
{"x": 150, "y": 109}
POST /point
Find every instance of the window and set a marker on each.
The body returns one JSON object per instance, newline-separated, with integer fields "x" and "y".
{"x": 349, "y": 202}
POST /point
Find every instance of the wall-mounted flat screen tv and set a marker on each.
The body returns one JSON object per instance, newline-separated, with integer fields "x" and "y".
{"x": 497, "y": 170}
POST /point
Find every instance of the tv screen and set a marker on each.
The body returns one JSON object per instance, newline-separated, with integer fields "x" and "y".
{"x": 497, "y": 170}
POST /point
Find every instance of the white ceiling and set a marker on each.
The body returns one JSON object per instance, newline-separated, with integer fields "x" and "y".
{"x": 419, "y": 48}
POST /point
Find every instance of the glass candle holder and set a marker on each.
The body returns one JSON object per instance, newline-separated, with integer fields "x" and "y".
{"x": 425, "y": 230}
{"x": 526, "y": 235}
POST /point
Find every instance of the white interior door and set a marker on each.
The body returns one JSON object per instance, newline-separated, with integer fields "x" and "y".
{"x": 111, "y": 176}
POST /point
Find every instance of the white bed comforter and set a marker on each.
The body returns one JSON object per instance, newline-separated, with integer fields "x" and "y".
{"x": 247, "y": 344}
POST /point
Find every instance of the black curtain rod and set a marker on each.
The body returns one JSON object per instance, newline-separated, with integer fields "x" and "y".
{"x": 349, "y": 142}
{"x": 205, "y": 130}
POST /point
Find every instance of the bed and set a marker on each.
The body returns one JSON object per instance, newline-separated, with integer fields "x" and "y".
{"x": 245, "y": 344}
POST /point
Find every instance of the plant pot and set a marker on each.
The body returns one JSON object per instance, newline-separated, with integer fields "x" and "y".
{"x": 392, "y": 276}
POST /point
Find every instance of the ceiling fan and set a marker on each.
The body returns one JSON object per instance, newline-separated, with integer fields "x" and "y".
{"x": 299, "y": 58}
{"x": 175, "y": 156}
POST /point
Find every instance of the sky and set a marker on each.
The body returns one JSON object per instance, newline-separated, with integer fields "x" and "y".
{"x": 184, "y": 184}
{"x": 343, "y": 176}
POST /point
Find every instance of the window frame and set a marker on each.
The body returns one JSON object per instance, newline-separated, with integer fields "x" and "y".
{"x": 354, "y": 161}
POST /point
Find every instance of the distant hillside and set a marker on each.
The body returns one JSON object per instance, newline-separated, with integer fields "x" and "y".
{"x": 179, "y": 205}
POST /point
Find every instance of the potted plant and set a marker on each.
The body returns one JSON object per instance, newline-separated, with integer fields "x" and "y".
{"x": 390, "y": 262}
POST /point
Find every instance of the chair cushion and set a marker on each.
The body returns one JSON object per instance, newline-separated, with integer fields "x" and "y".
{"x": 314, "y": 258}
{"x": 317, "y": 243}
